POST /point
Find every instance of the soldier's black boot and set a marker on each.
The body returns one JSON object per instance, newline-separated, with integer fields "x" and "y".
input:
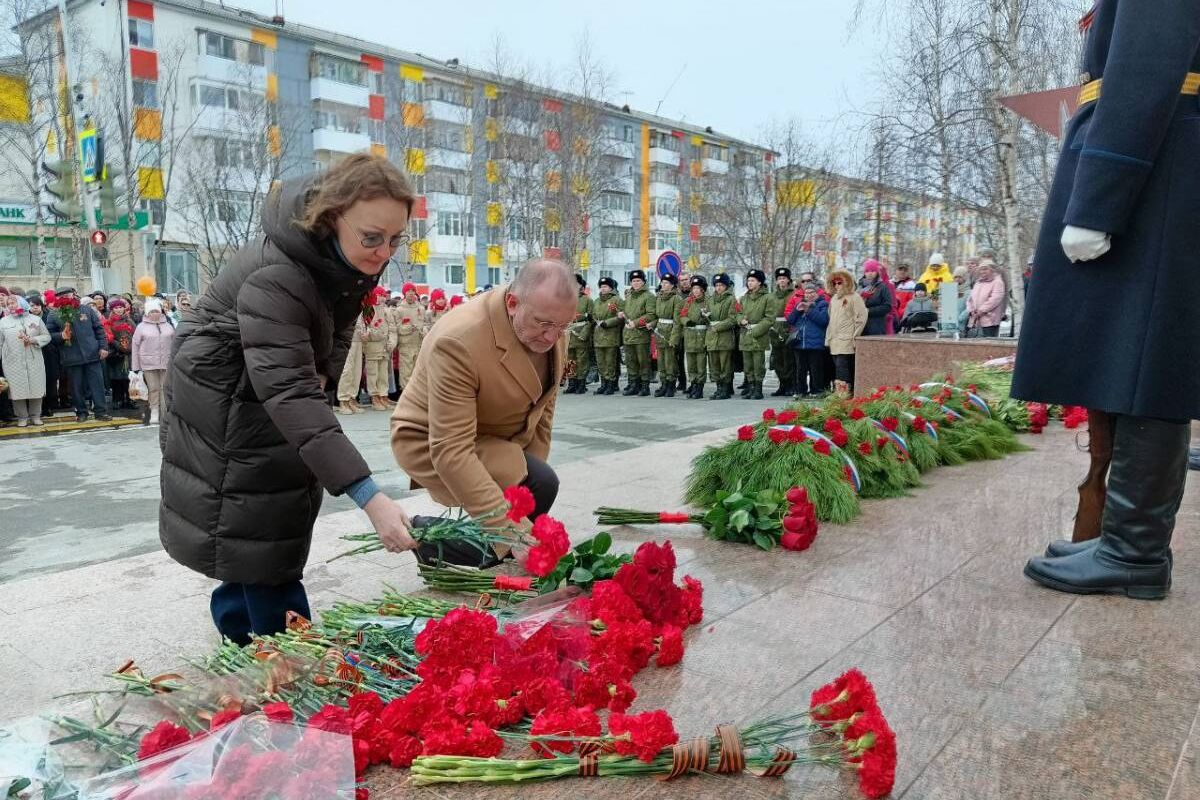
{"x": 631, "y": 385}
{"x": 697, "y": 392}
{"x": 745, "y": 389}
{"x": 643, "y": 388}
{"x": 1145, "y": 487}
{"x": 783, "y": 389}
{"x": 602, "y": 388}
{"x": 614, "y": 386}
{"x": 661, "y": 391}
{"x": 757, "y": 394}
{"x": 719, "y": 392}
{"x": 745, "y": 383}
{"x": 728, "y": 390}
{"x": 669, "y": 389}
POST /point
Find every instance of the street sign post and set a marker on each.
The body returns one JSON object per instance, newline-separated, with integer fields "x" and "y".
{"x": 669, "y": 263}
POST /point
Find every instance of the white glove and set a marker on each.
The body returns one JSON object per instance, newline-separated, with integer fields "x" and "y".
{"x": 1082, "y": 244}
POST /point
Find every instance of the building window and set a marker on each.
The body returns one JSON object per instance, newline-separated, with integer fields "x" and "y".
{"x": 664, "y": 207}
{"x": 662, "y": 240}
{"x": 712, "y": 245}
{"x": 606, "y": 273}
{"x": 454, "y": 273}
{"x": 716, "y": 152}
{"x": 664, "y": 140}
{"x": 447, "y": 136}
{"x": 662, "y": 173}
{"x": 216, "y": 96}
{"x": 141, "y": 33}
{"x": 376, "y": 79}
{"x": 155, "y": 209}
{"x": 418, "y": 228}
{"x": 9, "y": 262}
{"x": 447, "y": 93}
{"x": 338, "y": 69}
{"x": 494, "y": 234}
{"x": 552, "y": 239}
{"x": 410, "y": 91}
{"x": 495, "y": 278}
{"x": 338, "y": 117}
{"x": 516, "y": 229}
{"x": 449, "y": 181}
{"x": 419, "y": 273}
{"x": 178, "y": 271}
{"x": 236, "y": 154}
{"x": 232, "y": 208}
{"x": 145, "y": 93}
{"x": 616, "y": 201}
{"x": 616, "y": 238}
{"x": 240, "y": 50}
{"x": 454, "y": 223}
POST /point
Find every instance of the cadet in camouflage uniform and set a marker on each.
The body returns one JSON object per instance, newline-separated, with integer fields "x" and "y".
{"x": 639, "y": 322}
{"x": 668, "y": 333}
{"x": 781, "y": 355}
{"x": 408, "y": 326}
{"x": 607, "y": 337}
{"x": 720, "y": 339}
{"x": 693, "y": 314}
{"x": 755, "y": 317}
{"x": 579, "y": 339}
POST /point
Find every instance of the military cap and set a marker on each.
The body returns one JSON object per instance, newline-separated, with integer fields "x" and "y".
{"x": 758, "y": 274}
{"x": 721, "y": 277}
{"x": 609, "y": 282}
{"x": 671, "y": 279}
{"x": 783, "y": 272}
{"x": 637, "y": 274}
{"x": 698, "y": 280}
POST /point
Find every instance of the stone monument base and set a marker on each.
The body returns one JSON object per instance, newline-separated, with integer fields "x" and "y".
{"x": 913, "y": 358}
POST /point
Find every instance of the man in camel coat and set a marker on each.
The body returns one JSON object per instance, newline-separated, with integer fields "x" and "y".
{"x": 478, "y": 412}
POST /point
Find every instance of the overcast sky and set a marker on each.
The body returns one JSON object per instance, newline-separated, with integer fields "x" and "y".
{"x": 739, "y": 65}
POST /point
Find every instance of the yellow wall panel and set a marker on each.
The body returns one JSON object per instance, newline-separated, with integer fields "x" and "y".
{"x": 495, "y": 215}
{"x": 274, "y": 141}
{"x": 491, "y": 129}
{"x": 150, "y": 183}
{"x": 553, "y": 181}
{"x": 14, "y": 99}
{"x": 553, "y": 220}
{"x": 697, "y": 141}
{"x": 796, "y": 194}
{"x": 413, "y": 115}
{"x": 411, "y": 73}
{"x": 469, "y": 275}
{"x": 697, "y": 170}
{"x": 147, "y": 124}
{"x": 492, "y": 172}
{"x": 693, "y": 263}
{"x": 580, "y": 185}
{"x": 495, "y": 255}
{"x": 415, "y": 161}
{"x": 418, "y": 251}
{"x": 265, "y": 38}
{"x": 379, "y": 149}
{"x": 585, "y": 259}
{"x": 490, "y": 91}
{"x": 272, "y": 87}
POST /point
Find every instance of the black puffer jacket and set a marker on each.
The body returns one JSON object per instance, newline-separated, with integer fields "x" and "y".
{"x": 248, "y": 439}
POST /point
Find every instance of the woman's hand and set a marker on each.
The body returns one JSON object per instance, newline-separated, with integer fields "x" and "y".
{"x": 391, "y": 523}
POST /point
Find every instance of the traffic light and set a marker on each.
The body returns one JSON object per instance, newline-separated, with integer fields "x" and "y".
{"x": 112, "y": 194}
{"x": 60, "y": 185}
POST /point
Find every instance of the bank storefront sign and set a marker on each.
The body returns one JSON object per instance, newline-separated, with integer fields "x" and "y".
{"x": 17, "y": 214}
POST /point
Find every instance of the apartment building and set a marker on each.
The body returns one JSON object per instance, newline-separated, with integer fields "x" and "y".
{"x": 221, "y": 102}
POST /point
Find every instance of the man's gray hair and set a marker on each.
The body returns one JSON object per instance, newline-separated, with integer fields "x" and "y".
{"x": 554, "y": 276}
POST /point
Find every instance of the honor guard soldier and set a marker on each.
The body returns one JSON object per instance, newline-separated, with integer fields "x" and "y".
{"x": 719, "y": 340}
{"x": 781, "y": 355}
{"x": 668, "y": 333}
{"x": 639, "y": 318}
{"x": 693, "y": 315}
{"x": 756, "y": 317}
{"x": 579, "y": 342}
{"x": 607, "y": 312}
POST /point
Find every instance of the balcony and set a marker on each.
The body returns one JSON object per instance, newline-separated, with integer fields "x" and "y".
{"x": 444, "y": 201}
{"x": 337, "y": 141}
{"x": 620, "y": 149}
{"x": 613, "y": 216}
{"x": 658, "y": 189}
{"x": 450, "y": 159}
{"x": 447, "y": 112}
{"x": 714, "y": 166}
{"x": 225, "y": 70}
{"x": 219, "y": 120}
{"x": 661, "y": 223}
{"x": 338, "y": 92}
{"x": 661, "y": 155}
{"x": 450, "y": 246}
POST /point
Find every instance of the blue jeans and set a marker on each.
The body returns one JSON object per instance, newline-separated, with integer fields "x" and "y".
{"x": 241, "y": 608}
{"x": 87, "y": 383}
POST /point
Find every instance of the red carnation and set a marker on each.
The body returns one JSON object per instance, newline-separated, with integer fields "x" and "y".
{"x": 777, "y": 435}
{"x": 891, "y": 423}
{"x": 403, "y": 750}
{"x": 919, "y": 424}
{"x": 848, "y": 474}
{"x": 670, "y": 647}
{"x": 657, "y": 559}
{"x": 746, "y": 433}
{"x": 568, "y": 722}
{"x": 692, "y": 598}
{"x": 881, "y": 442}
{"x": 797, "y": 541}
{"x": 541, "y": 561}
{"x": 865, "y": 448}
{"x": 822, "y": 447}
{"x": 796, "y": 435}
{"x": 840, "y": 437}
{"x": 797, "y": 494}
{"x": 278, "y": 712}
{"x": 786, "y": 417}
{"x": 857, "y": 413}
{"x": 644, "y": 735}
{"x": 164, "y": 736}
{"x": 520, "y": 502}
{"x": 833, "y": 424}
{"x": 331, "y": 718}
{"x": 223, "y": 718}
{"x": 877, "y": 773}
{"x": 849, "y": 694}
{"x": 768, "y": 414}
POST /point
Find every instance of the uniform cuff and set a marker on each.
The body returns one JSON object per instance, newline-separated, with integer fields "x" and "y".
{"x": 362, "y": 491}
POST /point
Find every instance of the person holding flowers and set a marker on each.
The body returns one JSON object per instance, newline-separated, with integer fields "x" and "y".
{"x": 479, "y": 411}
{"x": 22, "y": 337}
{"x": 249, "y": 441}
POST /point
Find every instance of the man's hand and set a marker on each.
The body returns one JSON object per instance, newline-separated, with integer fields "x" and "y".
{"x": 391, "y": 523}
{"x": 1082, "y": 244}
{"x": 103, "y": 354}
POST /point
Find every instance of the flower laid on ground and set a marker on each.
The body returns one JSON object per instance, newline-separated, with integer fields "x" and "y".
{"x": 1074, "y": 416}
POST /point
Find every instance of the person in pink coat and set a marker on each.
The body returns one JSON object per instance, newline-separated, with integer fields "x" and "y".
{"x": 985, "y": 304}
{"x": 151, "y": 353}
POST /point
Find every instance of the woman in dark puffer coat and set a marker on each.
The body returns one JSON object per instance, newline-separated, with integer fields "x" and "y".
{"x": 249, "y": 442}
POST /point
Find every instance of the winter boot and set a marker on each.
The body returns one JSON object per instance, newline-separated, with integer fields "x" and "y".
{"x": 631, "y": 387}
{"x": 745, "y": 389}
{"x": 719, "y": 392}
{"x": 756, "y": 393}
{"x": 728, "y": 390}
{"x": 783, "y": 390}
{"x": 697, "y": 391}
{"x": 1145, "y": 488}
{"x": 669, "y": 389}
{"x": 643, "y": 388}
{"x": 661, "y": 391}
{"x": 602, "y": 388}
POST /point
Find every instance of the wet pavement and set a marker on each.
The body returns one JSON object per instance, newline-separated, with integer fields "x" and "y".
{"x": 996, "y": 688}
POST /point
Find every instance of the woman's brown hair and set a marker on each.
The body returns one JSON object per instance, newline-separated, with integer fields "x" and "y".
{"x": 361, "y": 176}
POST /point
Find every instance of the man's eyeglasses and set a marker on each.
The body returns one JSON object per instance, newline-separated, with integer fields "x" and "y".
{"x": 370, "y": 241}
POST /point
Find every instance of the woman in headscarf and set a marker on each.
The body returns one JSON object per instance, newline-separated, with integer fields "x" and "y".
{"x": 121, "y": 328}
{"x": 22, "y": 337}
{"x": 878, "y": 297}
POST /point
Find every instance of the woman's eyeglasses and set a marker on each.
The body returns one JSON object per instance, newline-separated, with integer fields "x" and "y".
{"x": 370, "y": 241}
